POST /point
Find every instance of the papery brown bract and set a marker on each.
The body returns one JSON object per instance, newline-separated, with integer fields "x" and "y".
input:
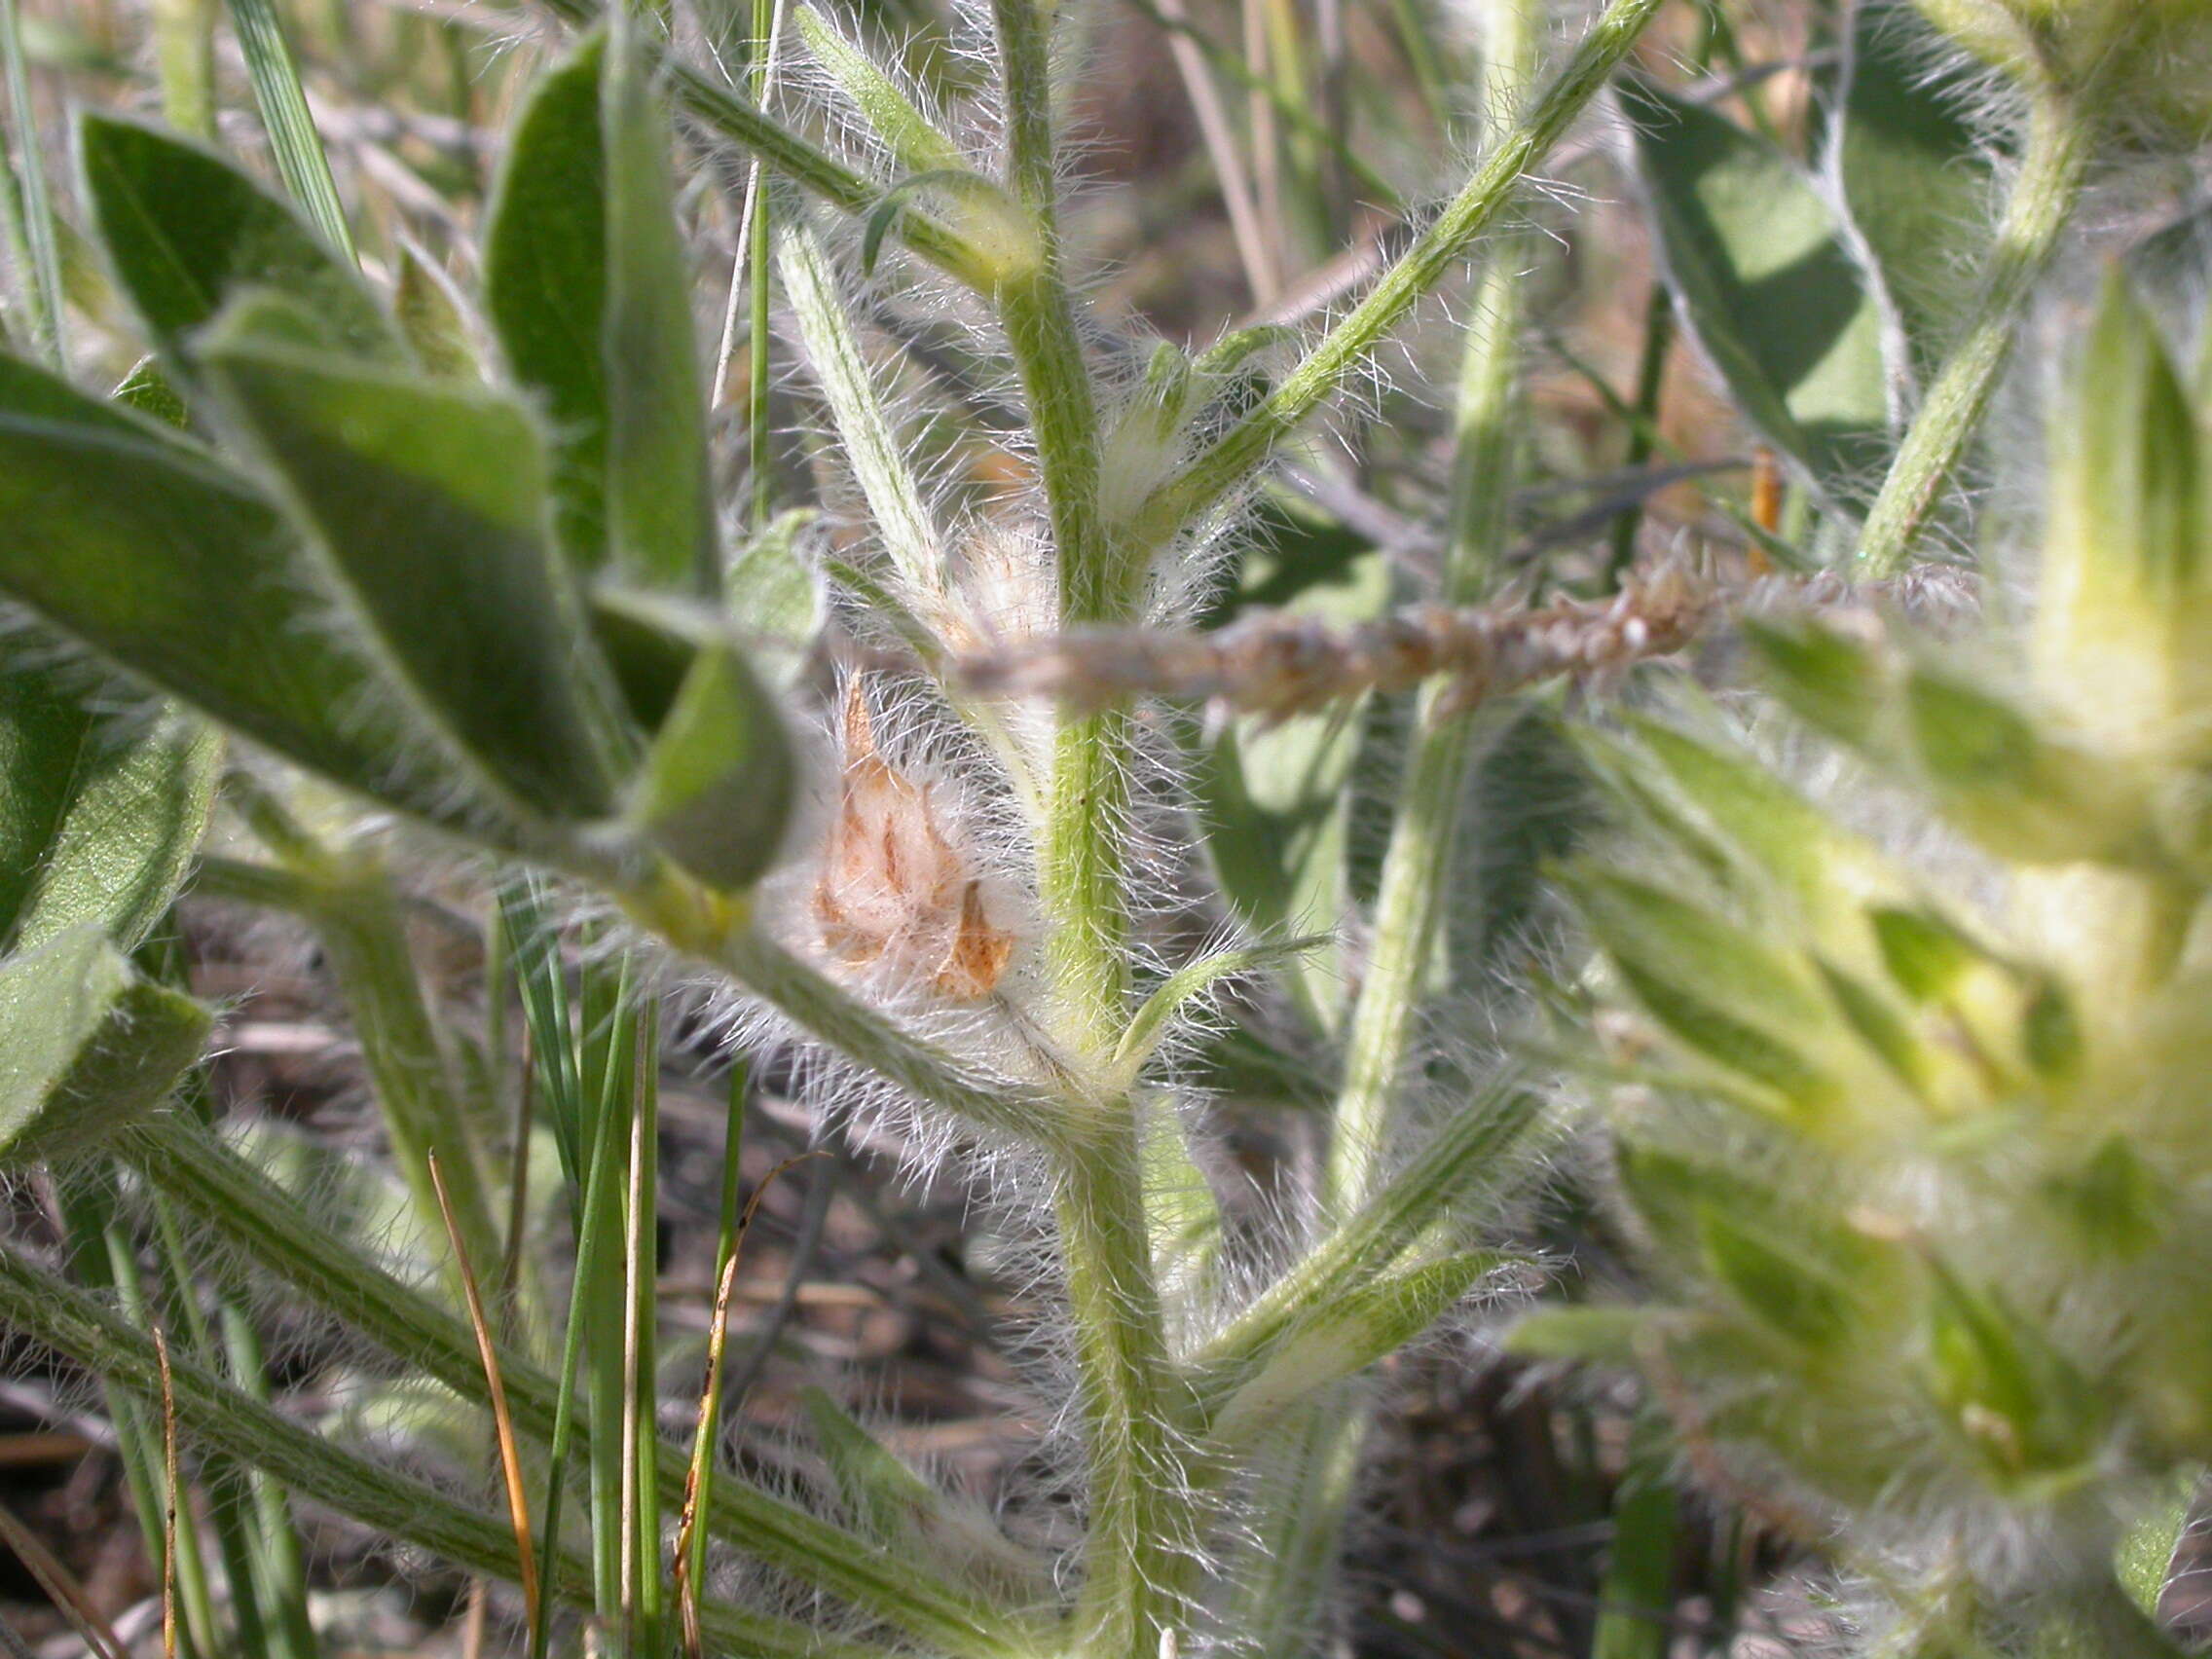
{"x": 895, "y": 892}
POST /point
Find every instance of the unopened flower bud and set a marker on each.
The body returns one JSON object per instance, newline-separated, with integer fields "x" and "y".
{"x": 2149, "y": 60}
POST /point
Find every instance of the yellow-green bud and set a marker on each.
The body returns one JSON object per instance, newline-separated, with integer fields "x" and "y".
{"x": 2123, "y": 637}
{"x": 2150, "y": 60}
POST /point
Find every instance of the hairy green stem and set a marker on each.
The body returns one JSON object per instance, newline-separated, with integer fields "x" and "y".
{"x": 249, "y": 1211}
{"x": 870, "y": 1039}
{"x": 723, "y": 112}
{"x": 1141, "y": 1527}
{"x": 2061, "y": 142}
{"x": 50, "y": 1311}
{"x": 358, "y": 918}
{"x": 1300, "y": 1524}
{"x": 1345, "y": 350}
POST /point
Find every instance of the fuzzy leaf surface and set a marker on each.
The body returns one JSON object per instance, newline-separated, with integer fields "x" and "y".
{"x": 1764, "y": 282}
{"x": 119, "y": 536}
{"x": 184, "y": 230}
{"x": 717, "y": 788}
{"x": 86, "y": 1043}
{"x": 659, "y": 502}
{"x": 430, "y": 504}
{"x": 545, "y": 284}
{"x": 1916, "y": 184}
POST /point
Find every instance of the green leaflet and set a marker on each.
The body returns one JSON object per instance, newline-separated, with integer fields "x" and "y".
{"x": 1917, "y": 187}
{"x": 184, "y": 230}
{"x": 588, "y": 287}
{"x": 123, "y": 537}
{"x": 775, "y": 598}
{"x": 659, "y": 499}
{"x": 919, "y": 146}
{"x": 1344, "y": 1336}
{"x": 127, "y": 840}
{"x": 898, "y": 1508}
{"x": 545, "y": 284}
{"x": 45, "y": 734}
{"x": 98, "y": 823}
{"x": 86, "y": 1044}
{"x": 717, "y": 788}
{"x": 1784, "y": 1288}
{"x": 431, "y": 316}
{"x": 1273, "y": 798}
{"x": 1716, "y": 988}
{"x": 1763, "y": 279}
{"x": 1595, "y": 1335}
{"x": 430, "y": 502}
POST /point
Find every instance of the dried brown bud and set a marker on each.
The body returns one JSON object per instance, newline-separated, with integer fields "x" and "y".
{"x": 896, "y": 892}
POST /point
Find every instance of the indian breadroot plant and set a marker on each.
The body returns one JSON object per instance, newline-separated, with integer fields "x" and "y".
{"x": 490, "y": 596}
{"x": 1917, "y": 1157}
{"x": 464, "y": 559}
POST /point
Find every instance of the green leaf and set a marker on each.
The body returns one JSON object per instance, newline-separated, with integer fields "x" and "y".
{"x": 1784, "y": 1289}
{"x": 138, "y": 803}
{"x": 880, "y": 1491}
{"x": 545, "y": 281}
{"x": 1723, "y": 992}
{"x": 1765, "y": 283}
{"x": 717, "y": 787}
{"x": 2021, "y": 793}
{"x": 660, "y": 515}
{"x": 148, "y": 391}
{"x": 1637, "y": 1590}
{"x": 2022, "y": 1403}
{"x": 1151, "y": 1022}
{"x": 897, "y": 1507}
{"x": 1833, "y": 684}
{"x": 431, "y": 317}
{"x": 430, "y": 502}
{"x": 1880, "y": 1026}
{"x": 185, "y": 229}
{"x": 1916, "y": 182}
{"x": 87, "y": 1044}
{"x": 1328, "y": 1343}
{"x": 918, "y": 145}
{"x": 1775, "y": 829}
{"x": 44, "y": 733}
{"x": 775, "y": 599}
{"x": 1276, "y": 799}
{"x": 1598, "y": 1336}
{"x": 1926, "y": 955}
{"x": 125, "y": 536}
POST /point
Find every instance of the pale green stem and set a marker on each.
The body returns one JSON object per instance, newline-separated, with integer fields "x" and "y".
{"x": 2061, "y": 143}
{"x": 1347, "y": 348}
{"x": 275, "y": 75}
{"x": 277, "y": 1232}
{"x": 1141, "y": 1529}
{"x": 184, "y": 61}
{"x": 870, "y": 1039}
{"x": 1300, "y": 1529}
{"x": 48, "y": 1311}
{"x": 1141, "y": 1525}
{"x": 1417, "y": 863}
{"x": 721, "y": 111}
{"x": 358, "y": 917}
